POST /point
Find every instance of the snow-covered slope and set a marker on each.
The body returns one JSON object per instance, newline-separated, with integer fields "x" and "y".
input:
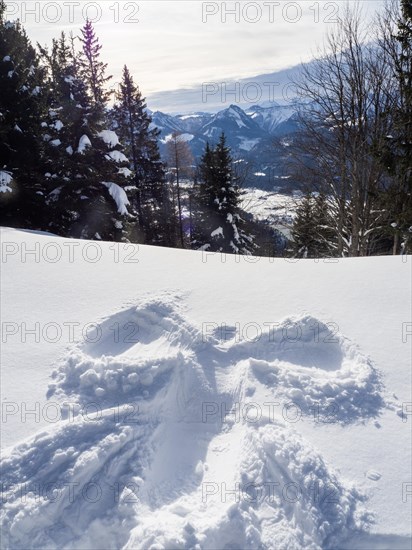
{"x": 273, "y": 118}
{"x": 201, "y": 401}
{"x": 193, "y": 122}
{"x": 167, "y": 124}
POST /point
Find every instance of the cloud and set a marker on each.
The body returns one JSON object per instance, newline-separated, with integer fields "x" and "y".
{"x": 172, "y": 45}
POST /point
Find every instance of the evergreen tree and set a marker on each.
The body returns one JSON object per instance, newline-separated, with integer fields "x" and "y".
{"x": 325, "y": 238}
{"x": 87, "y": 168}
{"x": 303, "y": 230}
{"x": 396, "y": 154}
{"x": 91, "y": 68}
{"x": 22, "y": 102}
{"x": 203, "y": 205}
{"x": 312, "y": 234}
{"x": 218, "y": 225}
{"x": 62, "y": 129}
{"x": 151, "y": 197}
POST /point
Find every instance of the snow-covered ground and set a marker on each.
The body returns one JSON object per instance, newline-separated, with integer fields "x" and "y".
{"x": 276, "y": 208}
{"x": 158, "y": 398}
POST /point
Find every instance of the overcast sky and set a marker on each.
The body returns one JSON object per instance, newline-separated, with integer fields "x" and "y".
{"x": 176, "y": 44}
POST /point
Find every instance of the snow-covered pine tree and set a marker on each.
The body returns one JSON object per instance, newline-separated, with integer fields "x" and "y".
{"x": 62, "y": 129}
{"x": 87, "y": 171}
{"x": 202, "y": 203}
{"x": 217, "y": 220}
{"x": 22, "y": 103}
{"x": 151, "y": 200}
{"x": 325, "y": 245}
{"x": 303, "y": 230}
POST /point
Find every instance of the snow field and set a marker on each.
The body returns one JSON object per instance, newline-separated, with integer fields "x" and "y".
{"x": 177, "y": 434}
{"x": 174, "y": 456}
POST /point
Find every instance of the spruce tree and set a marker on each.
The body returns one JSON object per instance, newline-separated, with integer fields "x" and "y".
{"x": 218, "y": 225}
{"x": 312, "y": 233}
{"x": 150, "y": 198}
{"x": 303, "y": 230}
{"x": 203, "y": 206}
{"x": 325, "y": 238}
{"x": 22, "y": 103}
{"x": 62, "y": 129}
{"x": 87, "y": 169}
{"x": 91, "y": 68}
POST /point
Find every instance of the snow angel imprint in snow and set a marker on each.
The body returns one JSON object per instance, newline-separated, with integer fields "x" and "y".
{"x": 312, "y": 365}
{"x": 300, "y": 359}
{"x": 150, "y": 454}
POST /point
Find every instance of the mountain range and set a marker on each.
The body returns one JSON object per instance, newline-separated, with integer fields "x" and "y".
{"x": 259, "y": 136}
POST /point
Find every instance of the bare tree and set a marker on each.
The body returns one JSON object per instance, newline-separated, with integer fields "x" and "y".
{"x": 242, "y": 170}
{"x": 180, "y": 162}
{"x": 345, "y": 91}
